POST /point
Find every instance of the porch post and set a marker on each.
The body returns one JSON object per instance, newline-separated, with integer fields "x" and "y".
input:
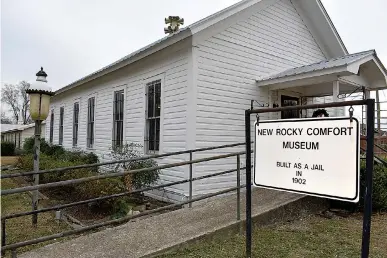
{"x": 336, "y": 92}
{"x": 367, "y": 95}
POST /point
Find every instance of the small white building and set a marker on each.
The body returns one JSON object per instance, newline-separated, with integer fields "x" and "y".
{"x": 19, "y": 133}
{"x": 190, "y": 89}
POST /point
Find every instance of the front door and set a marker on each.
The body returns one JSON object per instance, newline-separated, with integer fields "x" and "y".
{"x": 289, "y": 101}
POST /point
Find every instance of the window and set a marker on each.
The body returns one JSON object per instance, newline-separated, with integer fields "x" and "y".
{"x": 152, "y": 140}
{"x": 90, "y": 122}
{"x": 75, "y": 123}
{"x": 61, "y": 117}
{"x": 118, "y": 118}
{"x": 19, "y": 140}
{"x": 52, "y": 127}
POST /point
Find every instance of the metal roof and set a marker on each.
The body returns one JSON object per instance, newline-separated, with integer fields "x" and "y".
{"x": 326, "y": 64}
{"x": 5, "y": 128}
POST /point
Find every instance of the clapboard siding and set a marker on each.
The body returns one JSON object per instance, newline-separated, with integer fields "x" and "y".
{"x": 229, "y": 63}
{"x": 172, "y": 70}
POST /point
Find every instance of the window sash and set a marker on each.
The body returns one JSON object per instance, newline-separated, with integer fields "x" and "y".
{"x": 153, "y": 116}
{"x": 61, "y": 117}
{"x": 90, "y": 122}
{"x": 75, "y": 124}
{"x": 118, "y": 118}
{"x": 52, "y": 127}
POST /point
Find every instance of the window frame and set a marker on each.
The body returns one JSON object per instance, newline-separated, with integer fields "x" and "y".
{"x": 117, "y": 89}
{"x": 76, "y": 124}
{"x": 88, "y": 144}
{"x": 160, "y": 117}
{"x": 61, "y": 125}
{"x": 52, "y": 123}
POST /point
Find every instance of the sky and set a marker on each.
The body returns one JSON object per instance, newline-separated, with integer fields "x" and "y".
{"x": 72, "y": 38}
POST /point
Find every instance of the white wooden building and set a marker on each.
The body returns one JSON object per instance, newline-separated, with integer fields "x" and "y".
{"x": 190, "y": 89}
{"x": 19, "y": 133}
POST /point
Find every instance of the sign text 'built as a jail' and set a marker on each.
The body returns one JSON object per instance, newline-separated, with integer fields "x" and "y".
{"x": 318, "y": 157}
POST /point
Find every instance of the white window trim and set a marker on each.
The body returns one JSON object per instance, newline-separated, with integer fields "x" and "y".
{"x": 160, "y": 77}
{"x": 87, "y": 120}
{"x": 75, "y": 100}
{"x": 53, "y": 125}
{"x": 64, "y": 110}
{"x": 118, "y": 88}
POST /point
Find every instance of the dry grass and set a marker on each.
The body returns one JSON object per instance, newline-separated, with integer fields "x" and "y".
{"x": 8, "y": 160}
{"x": 311, "y": 237}
{"x": 21, "y": 229}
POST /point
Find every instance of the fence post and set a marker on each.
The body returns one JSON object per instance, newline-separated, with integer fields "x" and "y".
{"x": 2, "y": 236}
{"x": 239, "y": 191}
{"x": 190, "y": 180}
{"x": 14, "y": 253}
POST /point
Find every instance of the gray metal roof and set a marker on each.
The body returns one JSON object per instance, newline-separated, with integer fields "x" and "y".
{"x": 326, "y": 64}
{"x": 8, "y": 127}
{"x": 127, "y": 57}
{"x": 12, "y": 127}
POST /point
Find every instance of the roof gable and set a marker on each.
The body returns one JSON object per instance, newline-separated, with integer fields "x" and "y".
{"x": 321, "y": 26}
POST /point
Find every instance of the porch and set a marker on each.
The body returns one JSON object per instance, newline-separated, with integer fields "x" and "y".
{"x": 333, "y": 80}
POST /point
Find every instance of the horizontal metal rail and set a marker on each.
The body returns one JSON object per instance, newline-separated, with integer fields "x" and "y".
{"x": 110, "y": 175}
{"x": 376, "y": 158}
{"x": 59, "y": 207}
{"x": 112, "y": 222}
{"x": 380, "y": 147}
{"x": 311, "y": 106}
{"x": 3, "y": 176}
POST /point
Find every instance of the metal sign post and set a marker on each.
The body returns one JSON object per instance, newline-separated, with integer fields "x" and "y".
{"x": 365, "y": 249}
{"x": 274, "y": 135}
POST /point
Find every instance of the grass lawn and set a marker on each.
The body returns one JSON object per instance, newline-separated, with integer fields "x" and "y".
{"x": 21, "y": 229}
{"x": 314, "y": 236}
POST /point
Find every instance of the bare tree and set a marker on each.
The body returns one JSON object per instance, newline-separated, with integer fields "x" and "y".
{"x": 25, "y": 107}
{"x": 5, "y": 119}
{"x": 16, "y": 98}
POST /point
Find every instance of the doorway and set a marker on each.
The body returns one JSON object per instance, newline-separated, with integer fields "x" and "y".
{"x": 289, "y": 101}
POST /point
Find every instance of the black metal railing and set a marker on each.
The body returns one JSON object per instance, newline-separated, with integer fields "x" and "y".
{"x": 14, "y": 246}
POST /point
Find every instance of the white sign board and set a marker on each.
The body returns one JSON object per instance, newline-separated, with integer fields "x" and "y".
{"x": 319, "y": 157}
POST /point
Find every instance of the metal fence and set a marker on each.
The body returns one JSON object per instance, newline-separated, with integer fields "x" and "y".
{"x": 13, "y": 246}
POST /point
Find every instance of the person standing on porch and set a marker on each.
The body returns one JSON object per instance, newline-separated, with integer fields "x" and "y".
{"x": 320, "y": 113}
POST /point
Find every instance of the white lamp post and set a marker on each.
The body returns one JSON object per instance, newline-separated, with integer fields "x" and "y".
{"x": 40, "y": 95}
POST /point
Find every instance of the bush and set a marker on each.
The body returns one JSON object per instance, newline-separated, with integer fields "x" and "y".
{"x": 379, "y": 191}
{"x": 26, "y": 163}
{"x": 379, "y": 187}
{"x": 7, "y": 149}
{"x": 83, "y": 191}
{"x": 137, "y": 180}
{"x": 57, "y": 151}
{"x": 28, "y": 145}
{"x": 121, "y": 207}
{"x": 45, "y": 147}
{"x": 79, "y": 156}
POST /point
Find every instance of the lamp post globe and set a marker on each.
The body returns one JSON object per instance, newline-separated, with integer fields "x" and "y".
{"x": 40, "y": 96}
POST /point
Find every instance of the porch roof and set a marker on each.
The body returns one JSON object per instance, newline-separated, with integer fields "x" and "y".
{"x": 358, "y": 69}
